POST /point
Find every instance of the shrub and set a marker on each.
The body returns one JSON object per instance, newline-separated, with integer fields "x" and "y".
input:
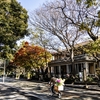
{"x": 69, "y": 79}
{"x": 98, "y": 73}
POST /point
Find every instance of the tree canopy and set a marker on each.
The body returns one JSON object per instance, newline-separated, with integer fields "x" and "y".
{"x": 31, "y": 56}
{"x": 13, "y": 23}
{"x": 69, "y": 20}
{"x": 63, "y": 19}
{"x": 46, "y": 40}
{"x": 93, "y": 49}
{"x": 61, "y": 14}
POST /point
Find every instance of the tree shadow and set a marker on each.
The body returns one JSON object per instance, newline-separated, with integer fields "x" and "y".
{"x": 12, "y": 93}
{"x": 79, "y": 96}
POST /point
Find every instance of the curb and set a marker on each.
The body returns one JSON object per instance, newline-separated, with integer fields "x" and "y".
{"x": 82, "y": 87}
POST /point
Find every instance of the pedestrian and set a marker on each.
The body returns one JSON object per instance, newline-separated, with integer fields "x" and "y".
{"x": 52, "y": 84}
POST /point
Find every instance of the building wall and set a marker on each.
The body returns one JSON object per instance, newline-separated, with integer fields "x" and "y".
{"x": 82, "y": 63}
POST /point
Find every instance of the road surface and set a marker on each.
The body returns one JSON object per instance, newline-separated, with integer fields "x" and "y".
{"x": 25, "y": 90}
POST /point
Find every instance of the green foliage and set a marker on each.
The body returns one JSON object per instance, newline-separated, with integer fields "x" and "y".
{"x": 93, "y": 48}
{"x": 90, "y": 3}
{"x": 39, "y": 37}
{"x": 97, "y": 23}
{"x": 90, "y": 23}
{"x": 7, "y": 52}
{"x": 89, "y": 79}
{"x": 83, "y": 26}
{"x": 99, "y": 14}
{"x": 13, "y": 23}
{"x": 98, "y": 72}
{"x": 78, "y": 1}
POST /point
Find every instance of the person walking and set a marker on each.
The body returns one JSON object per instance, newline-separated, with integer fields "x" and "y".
{"x": 52, "y": 84}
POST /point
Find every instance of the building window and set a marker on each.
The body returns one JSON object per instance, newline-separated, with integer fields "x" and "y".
{"x": 69, "y": 68}
{"x": 57, "y": 69}
{"x": 79, "y": 67}
{"x": 91, "y": 68}
{"x": 76, "y": 67}
{"x": 63, "y": 69}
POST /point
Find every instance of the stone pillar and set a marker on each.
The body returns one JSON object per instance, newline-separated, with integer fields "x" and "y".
{"x": 59, "y": 69}
{"x": 85, "y": 70}
{"x": 52, "y": 70}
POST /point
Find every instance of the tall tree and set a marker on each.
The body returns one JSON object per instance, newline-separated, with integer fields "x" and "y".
{"x": 84, "y": 14}
{"x": 13, "y": 24}
{"x": 58, "y": 18}
{"x": 89, "y": 14}
{"x": 45, "y": 40}
{"x": 31, "y": 56}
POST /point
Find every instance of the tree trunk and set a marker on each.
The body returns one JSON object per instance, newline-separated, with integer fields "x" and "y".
{"x": 72, "y": 59}
{"x": 93, "y": 37}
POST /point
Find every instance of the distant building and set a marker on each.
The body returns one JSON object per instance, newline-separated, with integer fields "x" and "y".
{"x": 61, "y": 64}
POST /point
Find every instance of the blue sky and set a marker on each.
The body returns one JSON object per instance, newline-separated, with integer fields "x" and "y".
{"x": 31, "y": 5}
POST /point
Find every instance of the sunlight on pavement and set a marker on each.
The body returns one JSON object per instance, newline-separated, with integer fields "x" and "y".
{"x": 70, "y": 97}
{"x": 87, "y": 98}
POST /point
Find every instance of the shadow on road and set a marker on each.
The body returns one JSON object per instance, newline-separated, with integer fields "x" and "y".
{"x": 13, "y": 93}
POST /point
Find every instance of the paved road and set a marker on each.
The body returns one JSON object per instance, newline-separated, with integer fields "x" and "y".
{"x": 24, "y": 90}
{"x": 10, "y": 89}
{"x": 8, "y": 93}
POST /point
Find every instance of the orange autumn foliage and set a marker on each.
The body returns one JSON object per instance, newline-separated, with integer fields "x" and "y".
{"x": 31, "y": 55}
